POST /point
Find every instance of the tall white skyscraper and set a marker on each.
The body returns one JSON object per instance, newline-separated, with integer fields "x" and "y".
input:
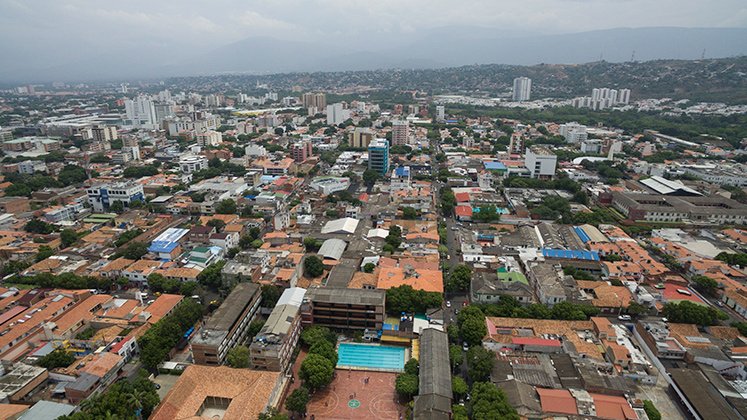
{"x": 336, "y": 114}
{"x": 141, "y": 112}
{"x": 522, "y": 89}
{"x": 623, "y": 96}
{"x": 440, "y": 113}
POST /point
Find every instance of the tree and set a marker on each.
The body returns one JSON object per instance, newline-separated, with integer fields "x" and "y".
{"x": 412, "y": 366}
{"x": 480, "y": 363}
{"x": 254, "y": 328}
{"x": 456, "y": 357}
{"x": 68, "y": 237}
{"x": 489, "y": 402}
{"x": 651, "y": 411}
{"x": 705, "y": 285}
{"x": 406, "y": 385}
{"x": 487, "y": 214}
{"x": 409, "y": 213}
{"x": 370, "y": 177}
{"x": 311, "y": 244}
{"x": 691, "y": 313}
{"x": 116, "y": 207}
{"x": 135, "y": 250}
{"x": 270, "y": 295}
{"x": 369, "y": 267}
{"x": 326, "y": 349}
{"x": 459, "y": 412}
{"x": 218, "y": 224}
{"x": 316, "y": 371}
{"x": 297, "y": 400}
{"x": 316, "y": 334}
{"x": 140, "y": 171}
{"x": 406, "y": 299}
{"x": 313, "y": 267}
{"x": 72, "y": 174}
{"x": 635, "y": 309}
{"x": 227, "y": 206}
{"x": 272, "y": 414}
{"x": 44, "y": 253}
{"x": 459, "y": 387}
{"x": 238, "y": 357}
{"x": 55, "y": 359}
{"x": 38, "y": 226}
{"x": 211, "y": 276}
{"x": 460, "y": 278}
{"x": 471, "y": 322}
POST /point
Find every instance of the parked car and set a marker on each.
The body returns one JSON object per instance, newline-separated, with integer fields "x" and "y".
{"x": 448, "y": 304}
{"x": 624, "y": 318}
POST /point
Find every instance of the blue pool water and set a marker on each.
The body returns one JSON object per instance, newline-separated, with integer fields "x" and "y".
{"x": 364, "y": 356}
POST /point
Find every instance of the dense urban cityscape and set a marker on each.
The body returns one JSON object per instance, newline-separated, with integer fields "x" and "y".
{"x": 478, "y": 242}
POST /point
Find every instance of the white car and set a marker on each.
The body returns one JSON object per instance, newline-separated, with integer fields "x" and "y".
{"x": 624, "y": 318}
{"x": 448, "y": 304}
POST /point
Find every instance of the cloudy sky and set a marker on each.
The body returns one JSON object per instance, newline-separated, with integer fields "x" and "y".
{"x": 32, "y": 30}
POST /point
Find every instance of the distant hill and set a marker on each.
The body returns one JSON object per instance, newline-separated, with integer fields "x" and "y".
{"x": 709, "y": 80}
{"x": 435, "y": 48}
{"x": 457, "y": 46}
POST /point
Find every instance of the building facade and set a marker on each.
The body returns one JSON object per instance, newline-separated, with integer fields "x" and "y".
{"x": 359, "y": 309}
{"x": 378, "y": 156}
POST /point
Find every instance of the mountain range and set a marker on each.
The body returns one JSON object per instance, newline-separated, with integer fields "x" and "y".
{"x": 437, "y": 48}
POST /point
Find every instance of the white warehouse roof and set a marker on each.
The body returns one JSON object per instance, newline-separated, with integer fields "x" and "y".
{"x": 344, "y": 225}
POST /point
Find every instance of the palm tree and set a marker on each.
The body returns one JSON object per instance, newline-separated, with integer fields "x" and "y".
{"x": 134, "y": 402}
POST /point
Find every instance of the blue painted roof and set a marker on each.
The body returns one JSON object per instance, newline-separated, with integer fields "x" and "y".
{"x": 402, "y": 171}
{"x": 495, "y": 166}
{"x": 572, "y": 254}
{"x": 581, "y": 234}
{"x": 168, "y": 240}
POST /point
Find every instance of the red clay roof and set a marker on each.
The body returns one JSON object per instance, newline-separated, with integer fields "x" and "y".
{"x": 463, "y": 210}
{"x": 557, "y": 401}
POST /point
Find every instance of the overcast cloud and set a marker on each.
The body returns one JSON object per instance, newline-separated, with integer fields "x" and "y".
{"x": 53, "y": 30}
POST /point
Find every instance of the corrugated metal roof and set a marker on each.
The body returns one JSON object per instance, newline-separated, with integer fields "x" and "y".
{"x": 333, "y": 248}
{"x": 571, "y": 254}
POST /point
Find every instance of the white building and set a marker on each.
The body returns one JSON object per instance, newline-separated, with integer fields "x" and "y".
{"x": 440, "y": 113}
{"x": 140, "y": 112}
{"x": 336, "y": 114}
{"x": 255, "y": 150}
{"x": 593, "y": 146}
{"x": 101, "y": 197}
{"x": 31, "y": 166}
{"x": 68, "y": 212}
{"x": 327, "y": 185}
{"x": 193, "y": 163}
{"x": 209, "y": 138}
{"x": 522, "y": 89}
{"x": 573, "y": 132}
{"x": 540, "y": 162}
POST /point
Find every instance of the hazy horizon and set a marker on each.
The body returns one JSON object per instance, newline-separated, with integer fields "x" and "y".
{"x": 67, "y": 40}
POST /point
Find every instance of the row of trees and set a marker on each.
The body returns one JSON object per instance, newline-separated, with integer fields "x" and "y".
{"x": 318, "y": 368}
{"x": 158, "y": 341}
{"x": 509, "y": 307}
{"x": 123, "y": 400}
{"x": 406, "y": 299}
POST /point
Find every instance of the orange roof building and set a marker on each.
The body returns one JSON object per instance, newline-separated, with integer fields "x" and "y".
{"x": 205, "y": 391}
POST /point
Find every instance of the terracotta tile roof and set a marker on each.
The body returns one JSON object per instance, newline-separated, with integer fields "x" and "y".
{"x": 163, "y": 305}
{"x": 428, "y": 280}
{"x": 612, "y": 407}
{"x": 568, "y": 329}
{"x": 117, "y": 265}
{"x": 82, "y": 311}
{"x": 102, "y": 364}
{"x": 179, "y": 273}
{"x": 249, "y": 392}
{"x": 557, "y": 401}
{"x": 606, "y": 295}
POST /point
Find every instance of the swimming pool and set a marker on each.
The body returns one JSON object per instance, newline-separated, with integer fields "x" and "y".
{"x": 371, "y": 357}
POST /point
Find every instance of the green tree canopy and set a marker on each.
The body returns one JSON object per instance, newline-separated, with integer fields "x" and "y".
{"x": 313, "y": 266}
{"x": 238, "y": 357}
{"x": 480, "y": 363}
{"x": 406, "y": 385}
{"x": 297, "y": 400}
{"x": 316, "y": 371}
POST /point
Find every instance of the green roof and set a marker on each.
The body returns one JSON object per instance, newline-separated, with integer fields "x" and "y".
{"x": 201, "y": 249}
{"x": 198, "y": 259}
{"x": 512, "y": 276}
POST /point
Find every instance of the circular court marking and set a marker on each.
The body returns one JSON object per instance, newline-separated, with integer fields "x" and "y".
{"x": 354, "y": 403}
